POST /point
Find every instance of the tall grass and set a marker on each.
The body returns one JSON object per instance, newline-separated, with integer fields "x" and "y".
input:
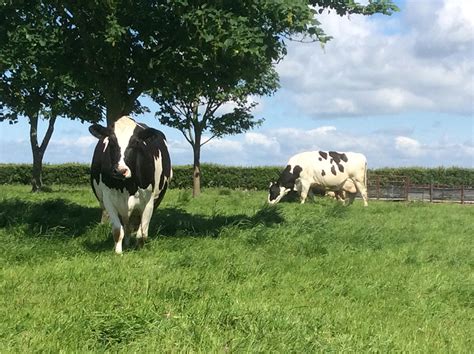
{"x": 226, "y": 272}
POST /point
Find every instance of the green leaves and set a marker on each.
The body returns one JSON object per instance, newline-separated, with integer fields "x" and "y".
{"x": 33, "y": 77}
{"x": 114, "y": 31}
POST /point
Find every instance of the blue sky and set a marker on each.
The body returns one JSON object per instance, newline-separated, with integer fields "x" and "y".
{"x": 399, "y": 89}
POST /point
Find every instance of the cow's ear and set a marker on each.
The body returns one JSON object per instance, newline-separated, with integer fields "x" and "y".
{"x": 99, "y": 131}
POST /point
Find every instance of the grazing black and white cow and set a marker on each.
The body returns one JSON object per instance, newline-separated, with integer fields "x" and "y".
{"x": 130, "y": 172}
{"x": 326, "y": 170}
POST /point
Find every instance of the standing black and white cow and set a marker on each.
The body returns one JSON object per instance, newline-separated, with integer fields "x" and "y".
{"x": 130, "y": 172}
{"x": 326, "y": 170}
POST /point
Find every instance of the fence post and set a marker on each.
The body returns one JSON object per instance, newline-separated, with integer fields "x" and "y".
{"x": 378, "y": 187}
{"x": 462, "y": 194}
{"x": 407, "y": 187}
{"x": 431, "y": 192}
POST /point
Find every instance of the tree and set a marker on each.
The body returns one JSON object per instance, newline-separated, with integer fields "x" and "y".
{"x": 117, "y": 47}
{"x": 225, "y": 52}
{"x": 193, "y": 110}
{"x": 32, "y": 83}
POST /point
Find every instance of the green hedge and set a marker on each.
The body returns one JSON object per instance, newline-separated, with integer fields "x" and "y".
{"x": 233, "y": 177}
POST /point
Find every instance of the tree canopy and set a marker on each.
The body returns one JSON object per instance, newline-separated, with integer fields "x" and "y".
{"x": 33, "y": 80}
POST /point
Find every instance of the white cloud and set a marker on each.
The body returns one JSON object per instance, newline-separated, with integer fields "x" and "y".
{"x": 223, "y": 146}
{"x": 80, "y": 142}
{"x": 422, "y": 60}
{"x": 408, "y": 146}
{"x": 229, "y": 107}
{"x": 261, "y": 141}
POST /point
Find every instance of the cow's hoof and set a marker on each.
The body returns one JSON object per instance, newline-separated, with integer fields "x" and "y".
{"x": 140, "y": 243}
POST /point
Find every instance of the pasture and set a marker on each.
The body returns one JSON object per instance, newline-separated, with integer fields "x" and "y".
{"x": 227, "y": 273}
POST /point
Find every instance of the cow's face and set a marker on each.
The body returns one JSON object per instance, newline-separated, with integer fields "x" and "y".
{"x": 123, "y": 147}
{"x": 276, "y": 192}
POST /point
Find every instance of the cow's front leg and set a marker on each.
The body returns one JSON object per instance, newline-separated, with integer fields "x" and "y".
{"x": 118, "y": 231}
{"x": 350, "y": 198}
{"x": 311, "y": 194}
{"x": 142, "y": 232}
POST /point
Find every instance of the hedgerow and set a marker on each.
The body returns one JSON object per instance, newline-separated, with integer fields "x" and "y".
{"x": 256, "y": 178}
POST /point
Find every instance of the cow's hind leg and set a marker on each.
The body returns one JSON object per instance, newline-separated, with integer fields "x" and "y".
{"x": 362, "y": 190}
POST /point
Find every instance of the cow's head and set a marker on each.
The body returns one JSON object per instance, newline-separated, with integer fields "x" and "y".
{"x": 123, "y": 146}
{"x": 285, "y": 184}
{"x": 277, "y": 192}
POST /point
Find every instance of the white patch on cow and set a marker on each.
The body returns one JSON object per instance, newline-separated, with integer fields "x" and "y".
{"x": 123, "y": 130}
{"x": 106, "y": 143}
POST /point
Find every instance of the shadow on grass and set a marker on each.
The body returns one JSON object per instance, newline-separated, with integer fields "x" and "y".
{"x": 54, "y": 217}
{"x": 63, "y": 220}
{"x": 177, "y": 222}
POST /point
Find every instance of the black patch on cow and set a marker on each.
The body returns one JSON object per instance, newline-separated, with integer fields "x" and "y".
{"x": 331, "y": 161}
{"x": 144, "y": 146}
{"x": 320, "y": 159}
{"x": 286, "y": 179}
{"x": 103, "y": 162}
{"x": 323, "y": 154}
{"x": 338, "y": 157}
{"x": 274, "y": 191}
{"x": 158, "y": 200}
{"x": 297, "y": 171}
{"x": 323, "y": 173}
{"x": 333, "y": 170}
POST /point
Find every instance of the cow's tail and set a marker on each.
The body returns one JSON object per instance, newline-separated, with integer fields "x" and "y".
{"x": 365, "y": 175}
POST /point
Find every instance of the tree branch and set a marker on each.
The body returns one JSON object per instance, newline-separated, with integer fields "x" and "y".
{"x": 47, "y": 136}
{"x": 212, "y": 137}
{"x": 189, "y": 139}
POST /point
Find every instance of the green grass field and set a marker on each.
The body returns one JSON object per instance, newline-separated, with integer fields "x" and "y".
{"x": 226, "y": 272}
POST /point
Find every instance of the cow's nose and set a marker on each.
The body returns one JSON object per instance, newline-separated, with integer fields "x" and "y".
{"x": 121, "y": 172}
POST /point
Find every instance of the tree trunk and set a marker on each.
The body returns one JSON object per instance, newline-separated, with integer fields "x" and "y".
{"x": 197, "y": 170}
{"x": 119, "y": 104}
{"x": 38, "y": 150}
{"x": 114, "y": 110}
{"x": 36, "y": 179}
